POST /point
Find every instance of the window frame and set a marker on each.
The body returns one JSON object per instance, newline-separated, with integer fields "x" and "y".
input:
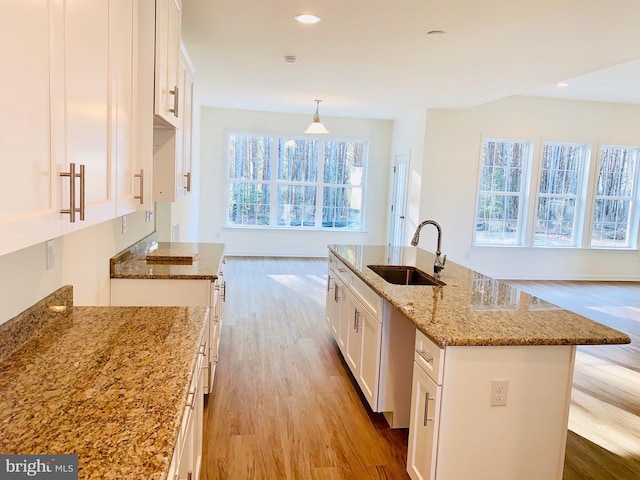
{"x": 275, "y": 183}
{"x": 523, "y": 211}
{"x": 586, "y": 197}
{"x": 579, "y": 222}
{"x": 634, "y": 199}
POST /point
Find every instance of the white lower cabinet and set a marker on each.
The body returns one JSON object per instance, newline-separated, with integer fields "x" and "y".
{"x": 187, "y": 456}
{"x": 423, "y": 426}
{"x": 457, "y": 431}
{"x": 376, "y": 345}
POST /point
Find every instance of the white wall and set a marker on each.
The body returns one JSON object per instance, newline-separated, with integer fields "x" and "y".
{"x": 408, "y": 138}
{"x": 215, "y": 122}
{"x": 81, "y": 260}
{"x": 450, "y": 175}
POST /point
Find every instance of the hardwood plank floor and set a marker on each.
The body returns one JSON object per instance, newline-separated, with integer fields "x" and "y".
{"x": 285, "y": 407}
{"x": 283, "y": 404}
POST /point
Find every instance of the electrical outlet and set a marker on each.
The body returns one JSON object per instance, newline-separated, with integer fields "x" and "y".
{"x": 499, "y": 393}
{"x": 51, "y": 254}
{"x": 124, "y": 224}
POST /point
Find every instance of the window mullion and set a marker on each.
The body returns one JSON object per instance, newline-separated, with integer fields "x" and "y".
{"x": 319, "y": 183}
{"x": 275, "y": 164}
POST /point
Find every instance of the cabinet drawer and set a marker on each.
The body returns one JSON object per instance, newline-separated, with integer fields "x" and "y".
{"x": 342, "y": 271}
{"x": 370, "y": 299}
{"x": 429, "y": 356}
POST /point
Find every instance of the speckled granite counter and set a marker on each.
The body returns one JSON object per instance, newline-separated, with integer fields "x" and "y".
{"x": 106, "y": 383}
{"x": 132, "y": 262}
{"x": 472, "y": 309}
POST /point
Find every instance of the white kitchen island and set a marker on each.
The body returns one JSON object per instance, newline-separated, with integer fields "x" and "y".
{"x": 490, "y": 367}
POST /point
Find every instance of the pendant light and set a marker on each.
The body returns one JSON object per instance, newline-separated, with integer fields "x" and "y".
{"x": 316, "y": 126}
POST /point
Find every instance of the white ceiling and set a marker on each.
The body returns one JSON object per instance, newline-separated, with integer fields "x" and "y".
{"x": 373, "y": 59}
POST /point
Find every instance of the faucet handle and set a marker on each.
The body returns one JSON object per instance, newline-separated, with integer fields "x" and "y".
{"x": 438, "y": 265}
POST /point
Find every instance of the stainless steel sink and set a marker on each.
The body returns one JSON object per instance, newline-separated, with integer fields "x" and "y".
{"x": 405, "y": 275}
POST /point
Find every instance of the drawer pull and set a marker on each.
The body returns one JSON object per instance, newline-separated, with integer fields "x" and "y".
{"x": 426, "y": 407}
{"x": 203, "y": 349}
{"x": 194, "y": 395}
{"x": 141, "y": 177}
{"x": 424, "y": 357}
{"x": 176, "y": 102}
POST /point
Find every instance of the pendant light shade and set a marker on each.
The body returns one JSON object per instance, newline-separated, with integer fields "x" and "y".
{"x": 316, "y": 125}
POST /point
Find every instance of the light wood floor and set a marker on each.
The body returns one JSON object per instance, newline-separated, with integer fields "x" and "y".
{"x": 284, "y": 406}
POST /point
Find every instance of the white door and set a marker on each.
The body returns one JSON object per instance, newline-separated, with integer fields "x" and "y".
{"x": 398, "y": 200}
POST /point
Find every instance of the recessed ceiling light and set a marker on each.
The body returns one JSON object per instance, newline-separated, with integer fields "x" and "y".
{"x": 562, "y": 84}
{"x": 436, "y": 33}
{"x": 307, "y": 18}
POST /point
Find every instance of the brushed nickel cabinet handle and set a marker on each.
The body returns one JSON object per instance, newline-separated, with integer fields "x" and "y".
{"x": 328, "y": 283}
{"x": 141, "y": 177}
{"x": 82, "y": 192}
{"x": 175, "y": 94}
{"x": 224, "y": 291}
{"x": 336, "y": 290}
{"x": 426, "y": 406}
{"x": 188, "y": 175}
{"x": 194, "y": 395}
{"x": 424, "y": 357}
{"x": 72, "y": 192}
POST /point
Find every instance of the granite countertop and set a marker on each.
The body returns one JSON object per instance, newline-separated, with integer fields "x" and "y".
{"x": 472, "y": 309}
{"x": 106, "y": 383}
{"x": 168, "y": 260}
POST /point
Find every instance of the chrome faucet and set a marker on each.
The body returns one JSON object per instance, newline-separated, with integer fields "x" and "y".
{"x": 438, "y": 265}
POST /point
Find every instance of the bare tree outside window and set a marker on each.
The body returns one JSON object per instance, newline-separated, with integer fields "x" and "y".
{"x": 501, "y": 192}
{"x": 615, "y": 187}
{"x": 316, "y": 183}
{"x": 561, "y": 180}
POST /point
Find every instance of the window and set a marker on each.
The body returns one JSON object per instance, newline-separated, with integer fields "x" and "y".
{"x": 561, "y": 179}
{"x": 559, "y": 214}
{"x": 278, "y": 181}
{"x": 503, "y": 177}
{"x": 614, "y": 194}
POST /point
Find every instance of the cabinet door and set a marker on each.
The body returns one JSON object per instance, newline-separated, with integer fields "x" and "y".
{"x": 330, "y": 299}
{"x": 423, "y": 427}
{"x": 86, "y": 99}
{"x": 187, "y": 125}
{"x": 368, "y": 374}
{"x": 168, "y": 31}
{"x": 355, "y": 320}
{"x": 121, "y": 34}
{"x": 29, "y": 185}
{"x": 132, "y": 37}
{"x": 341, "y": 315}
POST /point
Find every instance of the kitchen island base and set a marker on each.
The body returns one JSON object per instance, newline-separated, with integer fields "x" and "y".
{"x": 455, "y": 432}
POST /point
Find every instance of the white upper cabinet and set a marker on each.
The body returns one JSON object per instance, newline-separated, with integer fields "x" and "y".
{"x": 29, "y": 184}
{"x": 187, "y": 125}
{"x": 85, "y": 131}
{"x": 172, "y": 146}
{"x": 167, "y": 55}
{"x": 132, "y": 37}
